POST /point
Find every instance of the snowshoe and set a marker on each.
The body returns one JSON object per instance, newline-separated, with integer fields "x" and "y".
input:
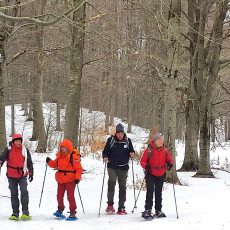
{"x": 147, "y": 215}
{"x": 25, "y": 216}
{"x": 121, "y": 211}
{"x": 14, "y": 216}
{"x": 59, "y": 214}
{"x": 159, "y": 214}
{"x": 72, "y": 216}
{"x": 110, "y": 209}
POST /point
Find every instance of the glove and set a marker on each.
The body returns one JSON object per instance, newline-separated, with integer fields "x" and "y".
{"x": 169, "y": 166}
{"x": 30, "y": 178}
{"x": 77, "y": 181}
{"x": 47, "y": 160}
{"x": 147, "y": 168}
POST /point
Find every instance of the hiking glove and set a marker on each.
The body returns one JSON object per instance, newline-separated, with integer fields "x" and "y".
{"x": 169, "y": 166}
{"x": 77, "y": 181}
{"x": 47, "y": 160}
{"x": 30, "y": 178}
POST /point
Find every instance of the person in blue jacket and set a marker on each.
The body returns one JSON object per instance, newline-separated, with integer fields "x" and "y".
{"x": 117, "y": 152}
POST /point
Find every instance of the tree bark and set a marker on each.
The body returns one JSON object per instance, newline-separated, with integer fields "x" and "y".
{"x": 208, "y": 69}
{"x": 74, "y": 86}
{"x": 171, "y": 82}
{"x": 38, "y": 119}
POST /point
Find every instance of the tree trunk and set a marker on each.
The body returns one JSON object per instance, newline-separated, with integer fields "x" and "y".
{"x": 58, "y": 117}
{"x": 74, "y": 86}
{"x": 30, "y": 115}
{"x": 208, "y": 69}
{"x": 171, "y": 82}
{"x": 228, "y": 135}
{"x": 191, "y": 161}
{"x": 38, "y": 119}
{"x": 2, "y": 96}
{"x": 12, "y": 119}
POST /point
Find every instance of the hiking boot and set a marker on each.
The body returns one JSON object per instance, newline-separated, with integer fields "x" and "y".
{"x": 14, "y": 216}
{"x": 25, "y": 216}
{"x": 159, "y": 214}
{"x": 147, "y": 214}
{"x": 110, "y": 209}
{"x": 121, "y": 211}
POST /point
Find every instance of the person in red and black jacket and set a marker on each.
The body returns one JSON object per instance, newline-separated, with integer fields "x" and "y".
{"x": 155, "y": 160}
{"x": 19, "y": 167}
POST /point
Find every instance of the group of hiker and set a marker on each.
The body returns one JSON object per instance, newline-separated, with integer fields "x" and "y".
{"x": 117, "y": 152}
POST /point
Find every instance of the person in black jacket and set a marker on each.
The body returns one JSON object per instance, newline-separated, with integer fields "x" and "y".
{"x": 117, "y": 152}
{"x": 19, "y": 167}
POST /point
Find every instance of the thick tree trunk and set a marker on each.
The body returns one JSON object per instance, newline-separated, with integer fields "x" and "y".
{"x": 2, "y": 97}
{"x": 74, "y": 86}
{"x": 208, "y": 69}
{"x": 204, "y": 169}
{"x": 38, "y": 119}
{"x": 171, "y": 82}
{"x": 191, "y": 161}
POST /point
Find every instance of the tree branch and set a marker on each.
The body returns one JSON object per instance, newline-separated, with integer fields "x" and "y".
{"x": 40, "y": 22}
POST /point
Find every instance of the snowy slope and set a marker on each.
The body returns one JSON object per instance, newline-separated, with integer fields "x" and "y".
{"x": 202, "y": 203}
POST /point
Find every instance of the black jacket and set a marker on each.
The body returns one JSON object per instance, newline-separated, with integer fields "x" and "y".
{"x": 118, "y": 152}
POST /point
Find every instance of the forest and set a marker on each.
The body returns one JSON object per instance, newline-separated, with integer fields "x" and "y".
{"x": 156, "y": 64}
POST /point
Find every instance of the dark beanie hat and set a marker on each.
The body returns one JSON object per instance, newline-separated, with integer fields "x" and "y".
{"x": 120, "y": 128}
{"x": 156, "y": 136}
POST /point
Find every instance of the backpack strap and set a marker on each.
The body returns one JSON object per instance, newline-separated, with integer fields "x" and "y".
{"x": 113, "y": 141}
{"x": 71, "y": 158}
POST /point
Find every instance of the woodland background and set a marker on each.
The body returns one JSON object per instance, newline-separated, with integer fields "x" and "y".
{"x": 156, "y": 63}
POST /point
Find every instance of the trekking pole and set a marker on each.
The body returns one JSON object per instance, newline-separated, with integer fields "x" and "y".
{"x": 80, "y": 199}
{"x": 99, "y": 213}
{"x": 175, "y": 199}
{"x": 43, "y": 185}
{"x": 134, "y": 191}
{"x": 138, "y": 193}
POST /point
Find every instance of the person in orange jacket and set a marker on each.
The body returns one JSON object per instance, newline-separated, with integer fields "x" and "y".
{"x": 69, "y": 173}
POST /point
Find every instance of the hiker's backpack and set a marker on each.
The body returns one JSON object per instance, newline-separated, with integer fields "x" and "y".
{"x": 75, "y": 151}
{"x": 113, "y": 141}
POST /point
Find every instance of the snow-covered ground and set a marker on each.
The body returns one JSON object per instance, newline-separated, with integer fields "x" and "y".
{"x": 202, "y": 203}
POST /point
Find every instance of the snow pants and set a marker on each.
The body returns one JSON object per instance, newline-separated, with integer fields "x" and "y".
{"x": 70, "y": 188}
{"x": 121, "y": 176}
{"x": 13, "y": 186}
{"x": 154, "y": 183}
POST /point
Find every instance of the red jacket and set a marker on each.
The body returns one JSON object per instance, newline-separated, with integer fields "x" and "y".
{"x": 158, "y": 161}
{"x": 15, "y": 161}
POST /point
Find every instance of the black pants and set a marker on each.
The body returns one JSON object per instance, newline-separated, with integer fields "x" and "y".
{"x": 121, "y": 176}
{"x": 13, "y": 186}
{"x": 154, "y": 183}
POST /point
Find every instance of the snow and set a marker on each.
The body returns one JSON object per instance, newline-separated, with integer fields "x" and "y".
{"x": 202, "y": 203}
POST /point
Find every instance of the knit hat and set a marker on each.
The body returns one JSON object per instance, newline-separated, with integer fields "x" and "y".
{"x": 156, "y": 136}
{"x": 120, "y": 128}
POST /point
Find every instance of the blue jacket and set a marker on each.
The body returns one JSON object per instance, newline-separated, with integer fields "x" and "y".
{"x": 118, "y": 152}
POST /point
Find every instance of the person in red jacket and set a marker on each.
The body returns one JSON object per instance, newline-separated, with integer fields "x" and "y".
{"x": 155, "y": 160}
{"x": 19, "y": 166}
{"x": 69, "y": 173}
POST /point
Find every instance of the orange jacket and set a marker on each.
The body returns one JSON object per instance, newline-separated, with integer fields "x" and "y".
{"x": 68, "y": 170}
